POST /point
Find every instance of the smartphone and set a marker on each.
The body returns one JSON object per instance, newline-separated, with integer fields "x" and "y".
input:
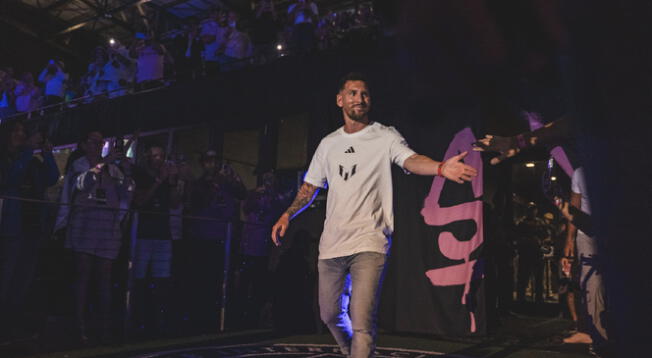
{"x": 119, "y": 143}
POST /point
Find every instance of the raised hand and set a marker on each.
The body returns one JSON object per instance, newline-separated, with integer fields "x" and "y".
{"x": 564, "y": 208}
{"x": 507, "y": 147}
{"x": 453, "y": 169}
{"x": 116, "y": 154}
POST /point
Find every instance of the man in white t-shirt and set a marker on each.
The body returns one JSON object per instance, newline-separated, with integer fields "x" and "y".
{"x": 355, "y": 163}
{"x": 54, "y": 78}
{"x": 591, "y": 329}
{"x": 212, "y": 32}
{"x": 234, "y": 46}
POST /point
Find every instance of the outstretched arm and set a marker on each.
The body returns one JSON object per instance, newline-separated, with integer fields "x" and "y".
{"x": 452, "y": 169}
{"x": 304, "y": 197}
{"x": 507, "y": 147}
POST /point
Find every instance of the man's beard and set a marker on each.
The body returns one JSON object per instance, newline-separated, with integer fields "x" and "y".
{"x": 358, "y": 116}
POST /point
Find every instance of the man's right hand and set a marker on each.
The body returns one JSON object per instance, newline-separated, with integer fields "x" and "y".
{"x": 278, "y": 230}
{"x": 567, "y": 261}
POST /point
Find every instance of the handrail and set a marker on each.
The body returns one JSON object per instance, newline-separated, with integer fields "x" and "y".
{"x": 169, "y": 79}
{"x": 140, "y": 211}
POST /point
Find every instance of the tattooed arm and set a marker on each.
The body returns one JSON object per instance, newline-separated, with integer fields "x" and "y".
{"x": 304, "y": 197}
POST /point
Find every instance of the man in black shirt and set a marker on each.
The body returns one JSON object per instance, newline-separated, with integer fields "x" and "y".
{"x": 158, "y": 190}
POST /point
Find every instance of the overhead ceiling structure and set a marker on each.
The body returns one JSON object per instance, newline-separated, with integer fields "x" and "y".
{"x": 75, "y": 27}
{"x": 120, "y": 18}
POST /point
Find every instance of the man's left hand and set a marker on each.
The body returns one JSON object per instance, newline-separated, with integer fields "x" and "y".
{"x": 453, "y": 169}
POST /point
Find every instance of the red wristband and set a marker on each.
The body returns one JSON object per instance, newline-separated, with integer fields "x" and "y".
{"x": 441, "y": 165}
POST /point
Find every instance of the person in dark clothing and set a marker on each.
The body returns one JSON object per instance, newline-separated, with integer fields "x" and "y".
{"x": 159, "y": 189}
{"x": 499, "y": 254}
{"x": 99, "y": 189}
{"x": 532, "y": 231}
{"x": 22, "y": 224}
{"x": 186, "y": 52}
{"x": 303, "y": 15}
{"x": 214, "y": 200}
{"x": 265, "y": 29}
{"x": 261, "y": 207}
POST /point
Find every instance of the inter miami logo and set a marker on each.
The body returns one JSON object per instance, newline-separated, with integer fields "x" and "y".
{"x": 347, "y": 174}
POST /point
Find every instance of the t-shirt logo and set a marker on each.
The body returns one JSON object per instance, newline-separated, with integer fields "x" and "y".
{"x": 347, "y": 174}
{"x": 350, "y": 150}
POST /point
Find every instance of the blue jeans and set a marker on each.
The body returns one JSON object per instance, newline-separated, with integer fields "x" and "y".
{"x": 349, "y": 288}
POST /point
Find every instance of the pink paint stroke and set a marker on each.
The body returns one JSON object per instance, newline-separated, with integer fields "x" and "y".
{"x": 435, "y": 215}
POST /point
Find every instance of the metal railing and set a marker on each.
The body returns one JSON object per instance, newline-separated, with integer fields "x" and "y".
{"x": 225, "y": 272}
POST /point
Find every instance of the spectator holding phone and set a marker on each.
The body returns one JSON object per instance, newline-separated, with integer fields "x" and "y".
{"x": 149, "y": 55}
{"x": 214, "y": 198}
{"x": 54, "y": 78}
{"x": 158, "y": 192}
{"x": 100, "y": 189}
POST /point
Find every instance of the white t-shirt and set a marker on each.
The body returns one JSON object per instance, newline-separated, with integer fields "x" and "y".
{"x": 578, "y": 186}
{"x": 55, "y": 86}
{"x": 357, "y": 169}
{"x": 149, "y": 64}
{"x": 212, "y": 28}
{"x": 237, "y": 45}
{"x": 26, "y": 101}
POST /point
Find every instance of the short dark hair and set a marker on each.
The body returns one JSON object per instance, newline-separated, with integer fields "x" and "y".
{"x": 352, "y": 76}
{"x": 155, "y": 145}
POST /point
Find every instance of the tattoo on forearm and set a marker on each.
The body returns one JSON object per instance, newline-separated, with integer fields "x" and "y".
{"x": 303, "y": 198}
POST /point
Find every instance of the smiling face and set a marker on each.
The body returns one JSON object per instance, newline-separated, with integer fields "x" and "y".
{"x": 355, "y": 101}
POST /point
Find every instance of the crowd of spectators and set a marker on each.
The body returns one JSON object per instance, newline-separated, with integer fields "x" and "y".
{"x": 174, "y": 230}
{"x": 221, "y": 42}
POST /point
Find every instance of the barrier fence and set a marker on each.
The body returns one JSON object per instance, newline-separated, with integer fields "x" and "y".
{"x": 223, "y": 279}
